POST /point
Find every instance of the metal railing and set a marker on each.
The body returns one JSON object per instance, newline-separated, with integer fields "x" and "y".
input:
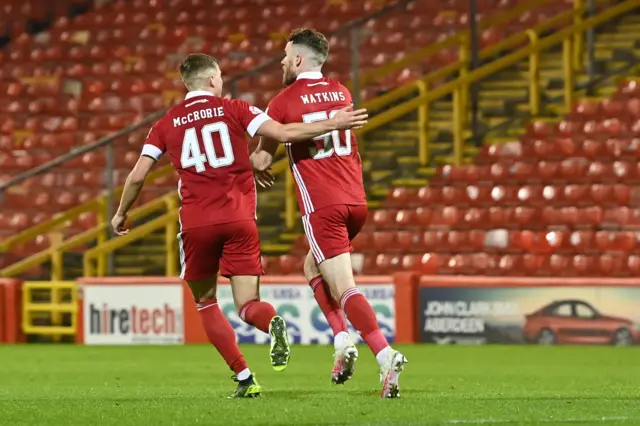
{"x": 421, "y": 95}
{"x": 537, "y": 47}
{"x": 102, "y": 207}
{"x": 44, "y": 316}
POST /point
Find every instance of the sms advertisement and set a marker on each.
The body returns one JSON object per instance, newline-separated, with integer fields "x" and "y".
{"x": 305, "y": 321}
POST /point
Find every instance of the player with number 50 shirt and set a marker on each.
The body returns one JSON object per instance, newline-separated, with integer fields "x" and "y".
{"x": 337, "y": 178}
{"x": 328, "y": 174}
{"x": 204, "y": 137}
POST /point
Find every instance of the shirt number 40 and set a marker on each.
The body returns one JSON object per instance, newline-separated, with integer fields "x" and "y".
{"x": 331, "y": 140}
{"x": 192, "y": 156}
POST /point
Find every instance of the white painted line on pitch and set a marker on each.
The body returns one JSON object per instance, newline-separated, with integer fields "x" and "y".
{"x": 549, "y": 420}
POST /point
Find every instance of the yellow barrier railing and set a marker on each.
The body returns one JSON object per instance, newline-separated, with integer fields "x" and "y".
{"x": 98, "y": 234}
{"x": 460, "y": 87}
{"x": 456, "y": 39}
{"x": 44, "y": 305}
{"x": 460, "y": 67}
{"x": 420, "y": 95}
{"x": 168, "y": 221}
{"x": 97, "y": 206}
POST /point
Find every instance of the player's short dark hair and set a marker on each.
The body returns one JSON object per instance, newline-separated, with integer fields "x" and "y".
{"x": 311, "y": 39}
{"x": 193, "y": 66}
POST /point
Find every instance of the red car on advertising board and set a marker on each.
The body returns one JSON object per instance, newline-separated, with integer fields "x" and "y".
{"x": 577, "y": 322}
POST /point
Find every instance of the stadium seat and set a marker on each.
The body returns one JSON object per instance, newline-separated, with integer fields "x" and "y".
{"x": 571, "y": 212}
{"x": 565, "y": 193}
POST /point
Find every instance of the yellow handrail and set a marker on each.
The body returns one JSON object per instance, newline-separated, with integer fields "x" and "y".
{"x": 166, "y": 221}
{"x": 421, "y": 93}
{"x": 55, "y": 251}
{"x": 420, "y": 55}
{"x": 460, "y": 87}
{"x": 509, "y": 43}
{"x": 95, "y": 205}
{"x": 505, "y": 61}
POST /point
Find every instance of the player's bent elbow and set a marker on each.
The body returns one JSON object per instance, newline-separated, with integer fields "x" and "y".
{"x": 285, "y": 136}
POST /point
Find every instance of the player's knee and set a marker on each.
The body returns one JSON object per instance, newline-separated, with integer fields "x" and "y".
{"x": 310, "y": 268}
{"x": 203, "y": 290}
{"x": 242, "y": 307}
{"x": 207, "y": 297}
{"x": 245, "y": 289}
{"x": 338, "y": 274}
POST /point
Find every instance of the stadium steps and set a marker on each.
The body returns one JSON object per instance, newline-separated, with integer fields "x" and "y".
{"x": 390, "y": 153}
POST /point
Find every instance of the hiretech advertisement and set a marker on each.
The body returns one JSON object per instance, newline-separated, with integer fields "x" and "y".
{"x": 133, "y": 314}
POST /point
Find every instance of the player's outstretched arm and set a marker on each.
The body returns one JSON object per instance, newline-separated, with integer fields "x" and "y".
{"x": 132, "y": 187}
{"x": 346, "y": 118}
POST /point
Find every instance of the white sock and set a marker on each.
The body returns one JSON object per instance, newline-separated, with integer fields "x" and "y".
{"x": 383, "y": 355}
{"x": 244, "y": 374}
{"x": 340, "y": 339}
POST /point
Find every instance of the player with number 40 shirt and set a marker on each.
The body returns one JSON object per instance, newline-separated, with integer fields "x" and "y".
{"x": 204, "y": 137}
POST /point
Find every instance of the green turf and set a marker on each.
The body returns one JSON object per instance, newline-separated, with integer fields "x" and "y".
{"x": 65, "y": 385}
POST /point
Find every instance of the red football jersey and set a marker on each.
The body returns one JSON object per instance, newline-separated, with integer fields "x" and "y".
{"x": 328, "y": 169}
{"x": 205, "y": 139}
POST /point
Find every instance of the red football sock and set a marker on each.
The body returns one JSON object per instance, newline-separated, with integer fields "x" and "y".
{"x": 221, "y": 334}
{"x": 258, "y": 314}
{"x": 363, "y": 319}
{"x": 330, "y": 308}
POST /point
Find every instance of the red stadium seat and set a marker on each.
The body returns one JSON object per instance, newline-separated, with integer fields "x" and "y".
{"x": 475, "y": 218}
{"x": 429, "y": 196}
{"x": 407, "y": 241}
{"x": 383, "y": 241}
{"x": 405, "y": 218}
{"x": 400, "y": 197}
{"x": 384, "y": 218}
{"x": 432, "y": 240}
{"x": 289, "y": 264}
{"x": 548, "y": 171}
{"x": 362, "y": 241}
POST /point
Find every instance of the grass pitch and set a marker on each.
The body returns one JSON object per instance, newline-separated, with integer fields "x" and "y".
{"x": 79, "y": 385}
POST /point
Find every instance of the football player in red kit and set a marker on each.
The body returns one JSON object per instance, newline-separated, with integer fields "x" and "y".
{"x": 204, "y": 137}
{"x": 328, "y": 175}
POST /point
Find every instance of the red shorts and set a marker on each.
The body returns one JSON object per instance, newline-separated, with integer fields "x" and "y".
{"x": 331, "y": 229}
{"x": 231, "y": 248}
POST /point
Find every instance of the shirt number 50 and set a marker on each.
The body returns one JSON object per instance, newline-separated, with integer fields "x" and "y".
{"x": 332, "y": 140}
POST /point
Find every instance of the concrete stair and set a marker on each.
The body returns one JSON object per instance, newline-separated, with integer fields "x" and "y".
{"x": 390, "y": 153}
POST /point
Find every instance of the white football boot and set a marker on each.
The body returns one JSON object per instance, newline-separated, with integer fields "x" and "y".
{"x": 344, "y": 362}
{"x": 390, "y": 374}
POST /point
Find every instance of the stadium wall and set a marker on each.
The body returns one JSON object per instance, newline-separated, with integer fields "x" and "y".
{"x": 134, "y": 310}
{"x": 10, "y": 311}
{"x": 410, "y": 308}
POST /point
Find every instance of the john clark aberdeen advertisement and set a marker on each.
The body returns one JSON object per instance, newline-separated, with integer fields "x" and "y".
{"x": 538, "y": 315}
